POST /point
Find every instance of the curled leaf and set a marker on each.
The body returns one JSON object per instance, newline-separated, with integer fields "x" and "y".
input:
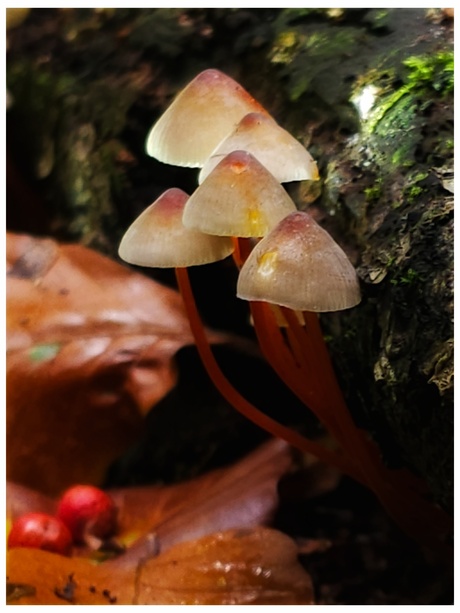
{"x": 89, "y": 351}
{"x": 242, "y": 495}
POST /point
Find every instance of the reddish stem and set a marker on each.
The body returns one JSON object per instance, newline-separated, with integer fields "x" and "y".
{"x": 307, "y": 360}
{"x": 237, "y": 400}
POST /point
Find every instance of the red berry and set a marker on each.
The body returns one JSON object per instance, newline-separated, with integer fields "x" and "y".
{"x": 40, "y": 531}
{"x": 87, "y": 510}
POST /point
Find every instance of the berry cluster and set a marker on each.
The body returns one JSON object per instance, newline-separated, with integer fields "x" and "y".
{"x": 84, "y": 514}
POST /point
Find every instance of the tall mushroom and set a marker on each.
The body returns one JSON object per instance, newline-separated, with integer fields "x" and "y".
{"x": 194, "y": 128}
{"x": 298, "y": 265}
{"x": 157, "y": 238}
{"x": 199, "y": 118}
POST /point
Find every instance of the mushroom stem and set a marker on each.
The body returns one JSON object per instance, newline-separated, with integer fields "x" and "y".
{"x": 399, "y": 492}
{"x": 306, "y": 359}
{"x": 238, "y": 401}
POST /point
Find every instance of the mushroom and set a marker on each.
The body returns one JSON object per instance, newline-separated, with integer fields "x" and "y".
{"x": 273, "y": 146}
{"x": 298, "y": 265}
{"x": 157, "y": 238}
{"x": 239, "y": 198}
{"x": 239, "y": 402}
{"x": 199, "y": 118}
{"x": 202, "y": 116}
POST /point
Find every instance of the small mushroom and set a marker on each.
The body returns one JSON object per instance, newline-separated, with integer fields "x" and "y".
{"x": 273, "y": 146}
{"x": 157, "y": 238}
{"x": 239, "y": 198}
{"x": 199, "y": 118}
{"x": 299, "y": 265}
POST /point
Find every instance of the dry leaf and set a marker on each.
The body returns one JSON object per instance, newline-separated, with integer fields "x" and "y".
{"x": 21, "y": 500}
{"x": 54, "y": 579}
{"x": 249, "y": 566}
{"x": 170, "y": 563}
{"x": 242, "y": 495}
{"x": 89, "y": 351}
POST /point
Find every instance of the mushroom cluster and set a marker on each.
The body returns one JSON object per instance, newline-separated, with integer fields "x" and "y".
{"x": 294, "y": 271}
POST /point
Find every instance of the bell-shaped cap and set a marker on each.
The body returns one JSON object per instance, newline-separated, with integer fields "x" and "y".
{"x": 158, "y": 239}
{"x": 268, "y": 142}
{"x": 199, "y": 118}
{"x": 239, "y": 198}
{"x": 300, "y": 266}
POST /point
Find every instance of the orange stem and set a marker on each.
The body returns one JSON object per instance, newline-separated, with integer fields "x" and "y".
{"x": 307, "y": 359}
{"x": 237, "y": 400}
{"x": 298, "y": 379}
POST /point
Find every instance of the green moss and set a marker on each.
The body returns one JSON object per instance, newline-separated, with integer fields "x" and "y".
{"x": 408, "y": 277}
{"x": 307, "y": 54}
{"x": 428, "y": 75}
{"x": 412, "y": 189}
{"x": 374, "y": 192}
{"x": 432, "y": 71}
{"x": 393, "y": 129}
{"x": 378, "y": 18}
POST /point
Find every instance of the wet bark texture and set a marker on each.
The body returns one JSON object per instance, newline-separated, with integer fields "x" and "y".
{"x": 369, "y": 92}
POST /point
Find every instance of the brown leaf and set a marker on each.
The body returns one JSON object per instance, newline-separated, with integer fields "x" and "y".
{"x": 242, "y": 495}
{"x": 89, "y": 351}
{"x": 157, "y": 517}
{"x": 170, "y": 563}
{"x": 59, "y": 580}
{"x": 250, "y": 566}
{"x": 21, "y": 500}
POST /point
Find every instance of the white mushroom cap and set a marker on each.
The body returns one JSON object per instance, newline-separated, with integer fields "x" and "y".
{"x": 158, "y": 239}
{"x": 239, "y": 198}
{"x": 274, "y": 147}
{"x": 300, "y": 266}
{"x": 199, "y": 118}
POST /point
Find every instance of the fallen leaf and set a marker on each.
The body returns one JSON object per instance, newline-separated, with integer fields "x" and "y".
{"x": 245, "y": 566}
{"x": 89, "y": 351}
{"x": 242, "y": 495}
{"x": 21, "y": 500}
{"x": 152, "y": 519}
{"x": 237, "y": 567}
{"x": 49, "y": 574}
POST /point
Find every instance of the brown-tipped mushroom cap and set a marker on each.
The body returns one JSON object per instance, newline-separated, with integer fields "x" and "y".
{"x": 199, "y": 118}
{"x": 273, "y": 146}
{"x": 239, "y": 198}
{"x": 158, "y": 239}
{"x": 300, "y": 266}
